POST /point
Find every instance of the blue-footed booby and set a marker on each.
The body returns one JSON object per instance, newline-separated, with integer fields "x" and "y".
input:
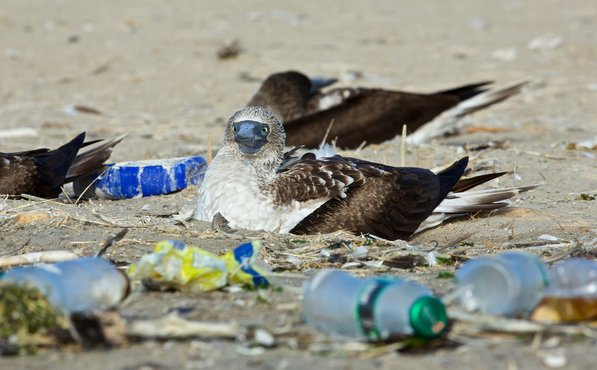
{"x": 253, "y": 185}
{"x": 363, "y": 114}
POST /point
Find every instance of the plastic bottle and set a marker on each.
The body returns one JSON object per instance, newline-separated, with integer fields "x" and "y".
{"x": 77, "y": 285}
{"x": 508, "y": 284}
{"x": 572, "y": 293}
{"x": 373, "y": 309}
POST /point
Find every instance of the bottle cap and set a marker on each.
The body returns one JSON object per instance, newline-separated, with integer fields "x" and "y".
{"x": 428, "y": 317}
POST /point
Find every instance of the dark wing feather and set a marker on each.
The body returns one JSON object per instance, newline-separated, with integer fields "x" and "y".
{"x": 34, "y": 152}
{"x": 466, "y": 91}
{"x": 42, "y": 173}
{"x": 471, "y": 182}
{"x": 391, "y": 203}
{"x": 89, "y": 161}
{"x": 373, "y": 116}
{"x": 312, "y": 178}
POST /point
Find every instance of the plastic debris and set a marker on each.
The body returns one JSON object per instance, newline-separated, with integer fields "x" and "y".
{"x": 77, "y": 285}
{"x": 508, "y": 284}
{"x": 264, "y": 338}
{"x": 572, "y": 293}
{"x": 141, "y": 179}
{"x": 187, "y": 268}
{"x": 551, "y": 238}
{"x": 374, "y": 309}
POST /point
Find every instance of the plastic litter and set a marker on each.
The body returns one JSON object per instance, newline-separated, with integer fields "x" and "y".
{"x": 508, "y": 284}
{"x": 572, "y": 293}
{"x": 175, "y": 265}
{"x": 141, "y": 179}
{"x": 76, "y": 285}
{"x": 373, "y": 309}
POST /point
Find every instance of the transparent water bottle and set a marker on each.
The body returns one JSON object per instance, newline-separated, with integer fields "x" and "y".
{"x": 572, "y": 292}
{"x": 77, "y": 285}
{"x": 373, "y": 309}
{"x": 508, "y": 284}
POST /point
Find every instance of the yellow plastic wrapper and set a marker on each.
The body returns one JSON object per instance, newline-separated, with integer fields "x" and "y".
{"x": 187, "y": 268}
{"x": 245, "y": 268}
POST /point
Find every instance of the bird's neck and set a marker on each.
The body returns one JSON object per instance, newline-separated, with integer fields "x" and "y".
{"x": 263, "y": 166}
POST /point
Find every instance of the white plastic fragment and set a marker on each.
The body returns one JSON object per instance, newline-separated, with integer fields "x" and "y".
{"x": 548, "y": 237}
{"x": 264, "y": 338}
{"x": 554, "y": 360}
{"x": 255, "y": 351}
{"x": 351, "y": 265}
{"x": 360, "y": 253}
{"x": 587, "y": 143}
{"x": 295, "y": 260}
{"x": 324, "y": 252}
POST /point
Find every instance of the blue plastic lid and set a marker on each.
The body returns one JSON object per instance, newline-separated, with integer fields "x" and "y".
{"x": 143, "y": 178}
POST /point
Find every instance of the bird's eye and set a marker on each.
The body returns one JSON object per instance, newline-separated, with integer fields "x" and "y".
{"x": 265, "y": 129}
{"x": 233, "y": 128}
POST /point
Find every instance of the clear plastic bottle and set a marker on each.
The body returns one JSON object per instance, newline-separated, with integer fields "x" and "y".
{"x": 77, "y": 285}
{"x": 572, "y": 293}
{"x": 373, "y": 309}
{"x": 508, "y": 284}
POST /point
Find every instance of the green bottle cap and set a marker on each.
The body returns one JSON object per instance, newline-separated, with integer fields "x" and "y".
{"x": 428, "y": 317}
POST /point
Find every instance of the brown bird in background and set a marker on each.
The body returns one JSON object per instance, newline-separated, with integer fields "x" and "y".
{"x": 362, "y": 114}
{"x": 42, "y": 172}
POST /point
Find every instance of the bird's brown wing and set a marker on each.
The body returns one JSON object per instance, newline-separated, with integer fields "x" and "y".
{"x": 310, "y": 178}
{"x": 373, "y": 116}
{"x": 20, "y": 175}
{"x": 390, "y": 204}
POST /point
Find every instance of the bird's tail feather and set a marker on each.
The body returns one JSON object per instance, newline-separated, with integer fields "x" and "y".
{"x": 462, "y": 203}
{"x": 89, "y": 161}
{"x": 448, "y": 120}
{"x": 466, "y": 91}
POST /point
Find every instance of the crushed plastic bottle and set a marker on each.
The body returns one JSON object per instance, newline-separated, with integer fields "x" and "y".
{"x": 572, "y": 293}
{"x": 374, "y": 309}
{"x": 508, "y": 284}
{"x": 77, "y": 285}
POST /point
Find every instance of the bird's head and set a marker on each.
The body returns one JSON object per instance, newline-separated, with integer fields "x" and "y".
{"x": 255, "y": 132}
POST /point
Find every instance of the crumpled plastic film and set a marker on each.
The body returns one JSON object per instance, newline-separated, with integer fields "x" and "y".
{"x": 187, "y": 268}
{"x": 245, "y": 267}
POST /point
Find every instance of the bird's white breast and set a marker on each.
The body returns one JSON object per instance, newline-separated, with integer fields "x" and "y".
{"x": 232, "y": 188}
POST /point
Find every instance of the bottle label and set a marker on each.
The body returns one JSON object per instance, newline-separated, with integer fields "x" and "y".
{"x": 366, "y": 307}
{"x": 544, "y": 274}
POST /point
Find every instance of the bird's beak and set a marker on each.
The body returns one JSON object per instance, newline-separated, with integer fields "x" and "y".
{"x": 250, "y": 136}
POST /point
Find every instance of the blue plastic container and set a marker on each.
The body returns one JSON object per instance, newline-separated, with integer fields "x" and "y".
{"x": 143, "y": 178}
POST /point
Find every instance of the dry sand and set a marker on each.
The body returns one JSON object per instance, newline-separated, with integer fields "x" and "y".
{"x": 151, "y": 67}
